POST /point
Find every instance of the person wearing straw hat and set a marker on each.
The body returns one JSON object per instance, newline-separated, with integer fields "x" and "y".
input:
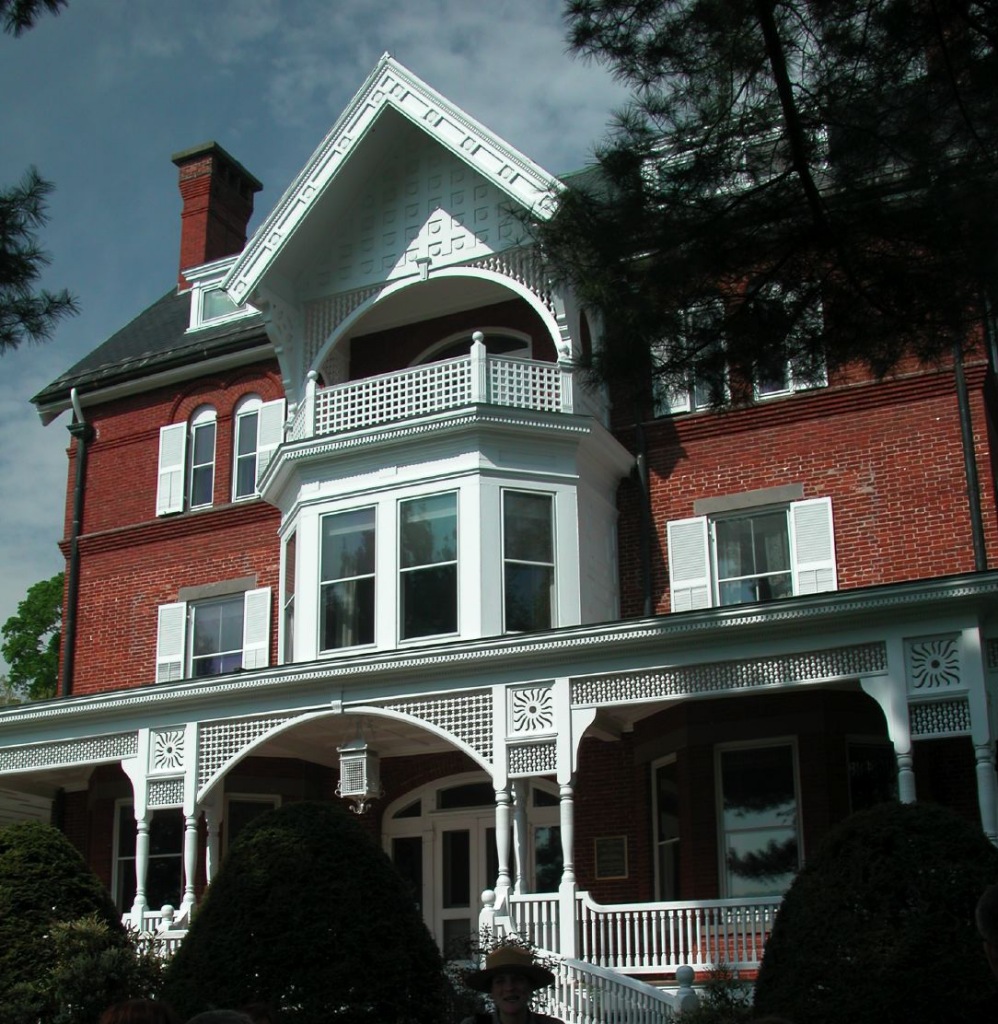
{"x": 510, "y": 977}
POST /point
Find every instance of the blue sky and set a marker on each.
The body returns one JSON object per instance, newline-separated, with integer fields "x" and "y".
{"x": 99, "y": 98}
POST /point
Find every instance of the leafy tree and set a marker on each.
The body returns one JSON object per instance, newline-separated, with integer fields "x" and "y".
{"x": 826, "y": 169}
{"x": 31, "y": 640}
{"x": 27, "y": 313}
{"x": 44, "y": 882}
{"x": 20, "y": 15}
{"x": 308, "y": 915}
{"x": 878, "y": 926}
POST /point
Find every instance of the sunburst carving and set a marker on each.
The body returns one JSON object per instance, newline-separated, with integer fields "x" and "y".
{"x": 531, "y": 709}
{"x": 934, "y": 664}
{"x": 167, "y": 749}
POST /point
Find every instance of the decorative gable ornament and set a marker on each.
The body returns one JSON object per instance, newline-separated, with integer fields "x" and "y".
{"x": 360, "y": 774}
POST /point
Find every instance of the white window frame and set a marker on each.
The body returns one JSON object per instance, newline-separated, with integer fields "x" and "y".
{"x": 289, "y": 585}
{"x": 692, "y": 564}
{"x": 795, "y": 380}
{"x": 269, "y": 435}
{"x": 719, "y": 750}
{"x": 661, "y": 762}
{"x": 202, "y": 419}
{"x": 401, "y": 571}
{"x": 552, "y": 565}
{"x": 372, "y": 575}
{"x": 174, "y": 632}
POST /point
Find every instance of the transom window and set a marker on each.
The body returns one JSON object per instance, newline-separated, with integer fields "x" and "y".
{"x": 528, "y": 560}
{"x": 428, "y": 565}
{"x": 347, "y": 588}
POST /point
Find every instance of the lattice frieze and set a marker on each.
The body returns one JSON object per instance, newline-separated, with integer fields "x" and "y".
{"x": 992, "y": 655}
{"x": 711, "y": 677}
{"x": 531, "y": 709}
{"x": 468, "y": 717}
{"x": 933, "y": 664}
{"x": 532, "y": 759}
{"x": 84, "y": 751}
{"x": 940, "y": 717}
{"x": 166, "y": 793}
{"x": 166, "y": 749}
{"x": 219, "y": 742}
{"x": 323, "y": 316}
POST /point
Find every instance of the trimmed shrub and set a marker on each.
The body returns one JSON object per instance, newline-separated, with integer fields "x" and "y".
{"x": 45, "y": 886}
{"x": 878, "y": 926}
{"x": 308, "y": 915}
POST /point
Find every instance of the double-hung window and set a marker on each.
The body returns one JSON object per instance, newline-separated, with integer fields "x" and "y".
{"x": 186, "y": 471}
{"x": 347, "y": 585}
{"x": 528, "y": 560}
{"x": 201, "y": 468}
{"x": 700, "y": 347}
{"x": 798, "y": 319}
{"x": 428, "y": 566}
{"x": 754, "y": 554}
{"x": 213, "y": 636}
{"x": 259, "y": 429}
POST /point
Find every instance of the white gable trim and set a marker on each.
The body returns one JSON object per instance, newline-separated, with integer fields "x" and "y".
{"x": 390, "y": 85}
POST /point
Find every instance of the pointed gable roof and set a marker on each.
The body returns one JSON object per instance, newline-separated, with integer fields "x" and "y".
{"x": 390, "y": 100}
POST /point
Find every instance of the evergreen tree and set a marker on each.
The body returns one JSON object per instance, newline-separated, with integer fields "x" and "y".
{"x": 813, "y": 181}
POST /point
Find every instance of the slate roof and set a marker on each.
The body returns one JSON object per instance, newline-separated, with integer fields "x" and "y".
{"x": 154, "y": 341}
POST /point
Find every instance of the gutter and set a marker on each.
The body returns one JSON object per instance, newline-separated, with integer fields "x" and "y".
{"x": 82, "y": 433}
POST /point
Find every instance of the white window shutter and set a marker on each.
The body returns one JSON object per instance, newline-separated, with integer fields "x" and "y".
{"x": 813, "y": 546}
{"x": 256, "y": 628}
{"x": 689, "y": 564}
{"x": 170, "y": 482}
{"x": 171, "y": 629}
{"x": 270, "y": 433}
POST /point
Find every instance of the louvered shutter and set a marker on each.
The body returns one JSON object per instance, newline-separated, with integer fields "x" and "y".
{"x": 270, "y": 433}
{"x": 171, "y": 631}
{"x": 813, "y": 546}
{"x": 256, "y": 628}
{"x": 689, "y": 566}
{"x": 170, "y": 480}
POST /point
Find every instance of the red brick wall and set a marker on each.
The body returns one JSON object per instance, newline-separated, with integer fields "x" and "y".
{"x": 131, "y": 561}
{"x": 889, "y": 456}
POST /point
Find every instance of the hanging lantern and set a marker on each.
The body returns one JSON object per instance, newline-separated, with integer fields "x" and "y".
{"x": 360, "y": 774}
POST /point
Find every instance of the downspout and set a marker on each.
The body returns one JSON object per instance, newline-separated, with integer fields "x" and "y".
{"x": 969, "y": 461}
{"x": 645, "y": 521}
{"x": 82, "y": 432}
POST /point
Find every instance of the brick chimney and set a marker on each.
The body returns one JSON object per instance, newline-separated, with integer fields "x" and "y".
{"x": 218, "y": 203}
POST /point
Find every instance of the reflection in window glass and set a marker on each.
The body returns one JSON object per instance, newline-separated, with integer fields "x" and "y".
{"x": 165, "y": 869}
{"x": 759, "y": 820}
{"x": 216, "y": 303}
{"x": 428, "y": 565}
{"x": 753, "y": 557}
{"x": 528, "y": 560}
{"x": 347, "y": 588}
{"x": 246, "y": 445}
{"x": 547, "y": 858}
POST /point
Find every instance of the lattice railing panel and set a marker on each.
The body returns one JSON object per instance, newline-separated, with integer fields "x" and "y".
{"x": 219, "y": 742}
{"x": 525, "y": 385}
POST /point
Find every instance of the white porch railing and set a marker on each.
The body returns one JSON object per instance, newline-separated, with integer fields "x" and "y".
{"x": 584, "y": 994}
{"x": 162, "y": 929}
{"x": 437, "y": 387}
{"x": 651, "y": 938}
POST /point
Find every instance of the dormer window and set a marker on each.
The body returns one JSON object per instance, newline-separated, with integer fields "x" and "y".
{"x": 216, "y": 304}
{"x": 210, "y": 303}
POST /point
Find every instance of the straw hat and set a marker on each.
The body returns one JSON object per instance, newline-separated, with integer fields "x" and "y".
{"x": 508, "y": 960}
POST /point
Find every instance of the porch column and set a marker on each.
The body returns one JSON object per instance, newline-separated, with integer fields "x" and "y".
{"x": 890, "y": 692}
{"x": 213, "y": 848}
{"x": 566, "y": 890}
{"x": 520, "y": 834}
{"x": 141, "y": 905}
{"x": 986, "y": 795}
{"x": 503, "y": 812}
{"x": 190, "y": 861}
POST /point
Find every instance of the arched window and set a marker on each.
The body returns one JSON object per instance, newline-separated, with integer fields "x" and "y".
{"x": 258, "y": 428}
{"x": 201, "y": 464}
{"x": 497, "y": 343}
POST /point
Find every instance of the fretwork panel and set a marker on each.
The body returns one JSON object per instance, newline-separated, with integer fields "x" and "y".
{"x": 84, "y": 751}
{"x": 468, "y": 717}
{"x": 713, "y": 677}
{"x": 220, "y": 742}
{"x": 940, "y": 718}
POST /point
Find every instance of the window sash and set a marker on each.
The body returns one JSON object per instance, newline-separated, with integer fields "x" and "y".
{"x": 216, "y": 636}
{"x": 202, "y": 473}
{"x": 247, "y": 433}
{"x": 428, "y": 566}
{"x": 528, "y": 562}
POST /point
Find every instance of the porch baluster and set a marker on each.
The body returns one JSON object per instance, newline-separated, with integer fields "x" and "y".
{"x": 190, "y": 861}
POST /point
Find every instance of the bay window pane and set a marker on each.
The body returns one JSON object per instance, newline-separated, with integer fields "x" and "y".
{"x": 347, "y": 591}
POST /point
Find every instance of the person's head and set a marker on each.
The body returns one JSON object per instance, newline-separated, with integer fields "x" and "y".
{"x": 510, "y": 977}
{"x": 139, "y": 1011}
{"x": 986, "y": 916}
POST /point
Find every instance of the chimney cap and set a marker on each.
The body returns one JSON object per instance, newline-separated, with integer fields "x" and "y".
{"x": 212, "y": 148}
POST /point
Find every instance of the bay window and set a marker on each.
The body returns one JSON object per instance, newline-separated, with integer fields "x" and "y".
{"x": 347, "y": 587}
{"x": 428, "y": 565}
{"x": 528, "y": 560}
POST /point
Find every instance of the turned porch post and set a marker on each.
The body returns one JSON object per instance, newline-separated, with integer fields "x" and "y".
{"x": 190, "y": 861}
{"x": 213, "y": 848}
{"x": 520, "y": 833}
{"x": 503, "y": 812}
{"x": 141, "y": 904}
{"x": 566, "y": 890}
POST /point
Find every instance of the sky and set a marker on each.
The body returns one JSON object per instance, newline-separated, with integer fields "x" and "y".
{"x": 100, "y": 98}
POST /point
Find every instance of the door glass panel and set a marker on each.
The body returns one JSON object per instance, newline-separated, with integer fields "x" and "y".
{"x": 456, "y": 866}
{"x": 547, "y": 858}
{"x": 407, "y": 856}
{"x": 667, "y": 824}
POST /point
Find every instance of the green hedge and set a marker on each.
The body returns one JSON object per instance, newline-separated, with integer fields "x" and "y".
{"x": 308, "y": 915}
{"x": 878, "y": 926}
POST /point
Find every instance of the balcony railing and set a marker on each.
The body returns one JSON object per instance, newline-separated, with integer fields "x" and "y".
{"x": 436, "y": 387}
